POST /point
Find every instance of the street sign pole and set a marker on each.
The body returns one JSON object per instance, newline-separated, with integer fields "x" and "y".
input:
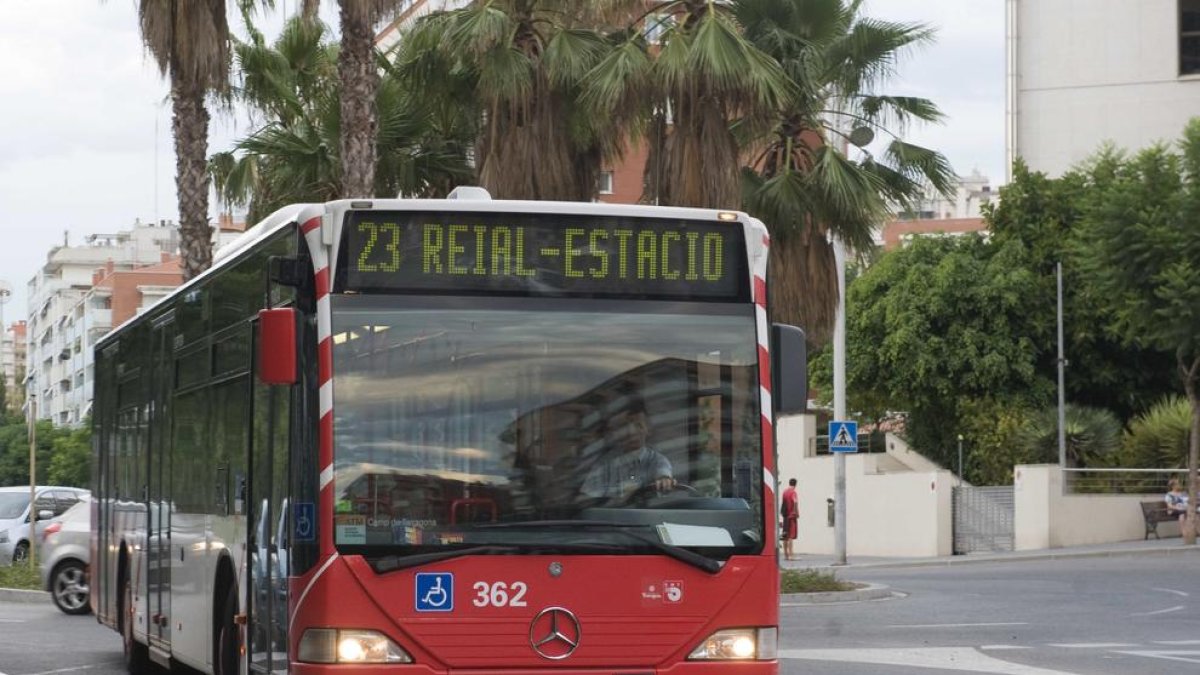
{"x": 839, "y": 407}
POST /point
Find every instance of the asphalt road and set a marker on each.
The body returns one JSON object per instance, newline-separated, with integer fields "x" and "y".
{"x": 1120, "y": 616}
{"x": 1123, "y": 615}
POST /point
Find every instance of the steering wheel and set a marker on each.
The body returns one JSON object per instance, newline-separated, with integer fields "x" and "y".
{"x": 645, "y": 493}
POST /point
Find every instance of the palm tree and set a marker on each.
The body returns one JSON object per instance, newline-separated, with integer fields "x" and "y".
{"x": 520, "y": 65}
{"x": 189, "y": 40}
{"x": 293, "y": 86}
{"x": 704, "y": 77}
{"x": 800, "y": 179}
{"x": 1092, "y": 435}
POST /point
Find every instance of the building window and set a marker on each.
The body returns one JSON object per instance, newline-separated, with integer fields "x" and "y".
{"x": 1189, "y": 37}
{"x": 604, "y": 184}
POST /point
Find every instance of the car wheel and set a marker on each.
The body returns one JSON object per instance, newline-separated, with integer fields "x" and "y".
{"x": 69, "y": 587}
{"x": 21, "y": 553}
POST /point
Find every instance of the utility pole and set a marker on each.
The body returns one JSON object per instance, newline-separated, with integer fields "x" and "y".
{"x": 33, "y": 483}
{"x": 1062, "y": 397}
{"x": 839, "y": 407}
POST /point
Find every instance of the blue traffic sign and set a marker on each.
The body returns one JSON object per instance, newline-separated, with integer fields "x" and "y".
{"x": 435, "y": 592}
{"x": 843, "y": 436}
{"x": 306, "y": 521}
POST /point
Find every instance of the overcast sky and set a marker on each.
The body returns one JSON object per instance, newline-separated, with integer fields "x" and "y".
{"x": 85, "y": 127}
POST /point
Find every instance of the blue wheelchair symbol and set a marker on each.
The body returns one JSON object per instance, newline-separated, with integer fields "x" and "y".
{"x": 435, "y": 592}
{"x": 306, "y": 517}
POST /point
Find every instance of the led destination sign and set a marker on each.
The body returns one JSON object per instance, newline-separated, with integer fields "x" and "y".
{"x": 544, "y": 254}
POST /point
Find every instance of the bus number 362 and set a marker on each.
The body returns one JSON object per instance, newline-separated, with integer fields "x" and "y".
{"x": 497, "y": 594}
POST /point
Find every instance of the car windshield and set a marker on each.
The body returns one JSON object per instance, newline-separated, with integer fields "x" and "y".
{"x": 12, "y": 504}
{"x": 491, "y": 422}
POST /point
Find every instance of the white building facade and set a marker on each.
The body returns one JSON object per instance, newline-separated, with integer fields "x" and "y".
{"x": 66, "y": 315}
{"x": 1082, "y": 72}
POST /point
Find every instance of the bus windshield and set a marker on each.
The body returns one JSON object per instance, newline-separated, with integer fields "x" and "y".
{"x": 503, "y": 421}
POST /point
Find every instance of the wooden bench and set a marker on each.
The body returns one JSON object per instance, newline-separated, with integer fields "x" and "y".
{"x": 1154, "y": 513}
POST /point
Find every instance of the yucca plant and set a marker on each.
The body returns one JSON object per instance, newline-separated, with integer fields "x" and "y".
{"x": 1092, "y": 435}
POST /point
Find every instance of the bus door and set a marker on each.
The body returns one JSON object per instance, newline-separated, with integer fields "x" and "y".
{"x": 271, "y": 530}
{"x": 158, "y": 515}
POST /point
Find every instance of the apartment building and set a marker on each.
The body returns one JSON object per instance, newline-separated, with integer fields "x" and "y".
{"x": 12, "y": 364}
{"x": 1082, "y": 73}
{"x": 68, "y": 312}
{"x": 941, "y": 215}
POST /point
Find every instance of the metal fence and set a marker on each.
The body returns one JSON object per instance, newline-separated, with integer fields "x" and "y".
{"x": 864, "y": 444}
{"x": 1119, "y": 481}
{"x": 983, "y": 519}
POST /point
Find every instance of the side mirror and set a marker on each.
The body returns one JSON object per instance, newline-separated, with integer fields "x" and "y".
{"x": 789, "y": 369}
{"x": 45, "y": 514}
{"x": 277, "y": 346}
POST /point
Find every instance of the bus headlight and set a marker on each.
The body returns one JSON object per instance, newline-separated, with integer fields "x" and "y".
{"x": 742, "y": 644}
{"x": 329, "y": 645}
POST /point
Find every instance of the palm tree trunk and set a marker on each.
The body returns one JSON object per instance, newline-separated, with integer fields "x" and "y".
{"x": 360, "y": 82}
{"x": 309, "y": 9}
{"x": 701, "y": 163}
{"x": 190, "y": 125}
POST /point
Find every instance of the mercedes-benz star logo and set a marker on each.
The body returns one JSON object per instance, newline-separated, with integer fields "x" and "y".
{"x": 554, "y": 633}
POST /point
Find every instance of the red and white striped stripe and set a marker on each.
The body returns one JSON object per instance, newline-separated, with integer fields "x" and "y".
{"x": 764, "y": 379}
{"x": 310, "y": 225}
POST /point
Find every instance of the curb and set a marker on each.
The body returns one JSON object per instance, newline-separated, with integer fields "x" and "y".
{"x": 17, "y": 595}
{"x": 871, "y": 592}
{"x": 1051, "y": 554}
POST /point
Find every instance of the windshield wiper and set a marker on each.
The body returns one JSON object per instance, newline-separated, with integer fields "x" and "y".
{"x": 681, "y": 554}
{"x": 534, "y": 524}
{"x": 392, "y": 563}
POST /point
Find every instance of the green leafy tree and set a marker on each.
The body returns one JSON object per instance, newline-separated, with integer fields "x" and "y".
{"x": 71, "y": 461}
{"x": 1140, "y": 247}
{"x": 990, "y": 428}
{"x": 1092, "y": 436}
{"x": 1045, "y": 215}
{"x": 940, "y": 323}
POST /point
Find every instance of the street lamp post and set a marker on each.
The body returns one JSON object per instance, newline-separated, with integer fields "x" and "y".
{"x": 960, "y": 474}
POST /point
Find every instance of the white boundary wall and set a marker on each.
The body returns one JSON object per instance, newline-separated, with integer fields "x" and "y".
{"x": 905, "y": 513}
{"x": 1046, "y": 518}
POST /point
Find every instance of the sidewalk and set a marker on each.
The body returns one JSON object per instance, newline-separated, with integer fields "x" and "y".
{"x": 1172, "y": 546}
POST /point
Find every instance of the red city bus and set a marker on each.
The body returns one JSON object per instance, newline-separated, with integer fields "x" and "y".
{"x": 424, "y": 436}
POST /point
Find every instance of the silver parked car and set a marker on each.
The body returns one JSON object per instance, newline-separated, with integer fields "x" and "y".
{"x": 64, "y": 558}
{"x": 51, "y": 501}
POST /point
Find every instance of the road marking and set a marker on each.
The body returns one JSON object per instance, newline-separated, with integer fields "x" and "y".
{"x": 962, "y": 659}
{"x": 1168, "y": 610}
{"x": 955, "y": 625}
{"x": 12, "y": 620}
{"x": 1177, "y": 643}
{"x": 1003, "y": 647}
{"x": 1168, "y": 590}
{"x": 1185, "y": 656}
{"x": 1095, "y": 645}
{"x": 63, "y": 670}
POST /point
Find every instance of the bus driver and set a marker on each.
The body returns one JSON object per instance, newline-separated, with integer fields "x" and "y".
{"x": 618, "y": 477}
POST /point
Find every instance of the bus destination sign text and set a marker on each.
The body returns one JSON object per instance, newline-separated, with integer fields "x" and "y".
{"x": 549, "y": 254}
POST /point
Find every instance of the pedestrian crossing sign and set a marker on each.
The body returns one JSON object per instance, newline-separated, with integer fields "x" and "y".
{"x": 843, "y": 436}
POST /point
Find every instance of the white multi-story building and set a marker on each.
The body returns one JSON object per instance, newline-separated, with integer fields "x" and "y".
{"x": 12, "y": 362}
{"x": 970, "y": 194}
{"x": 1084, "y": 72}
{"x": 66, "y": 315}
